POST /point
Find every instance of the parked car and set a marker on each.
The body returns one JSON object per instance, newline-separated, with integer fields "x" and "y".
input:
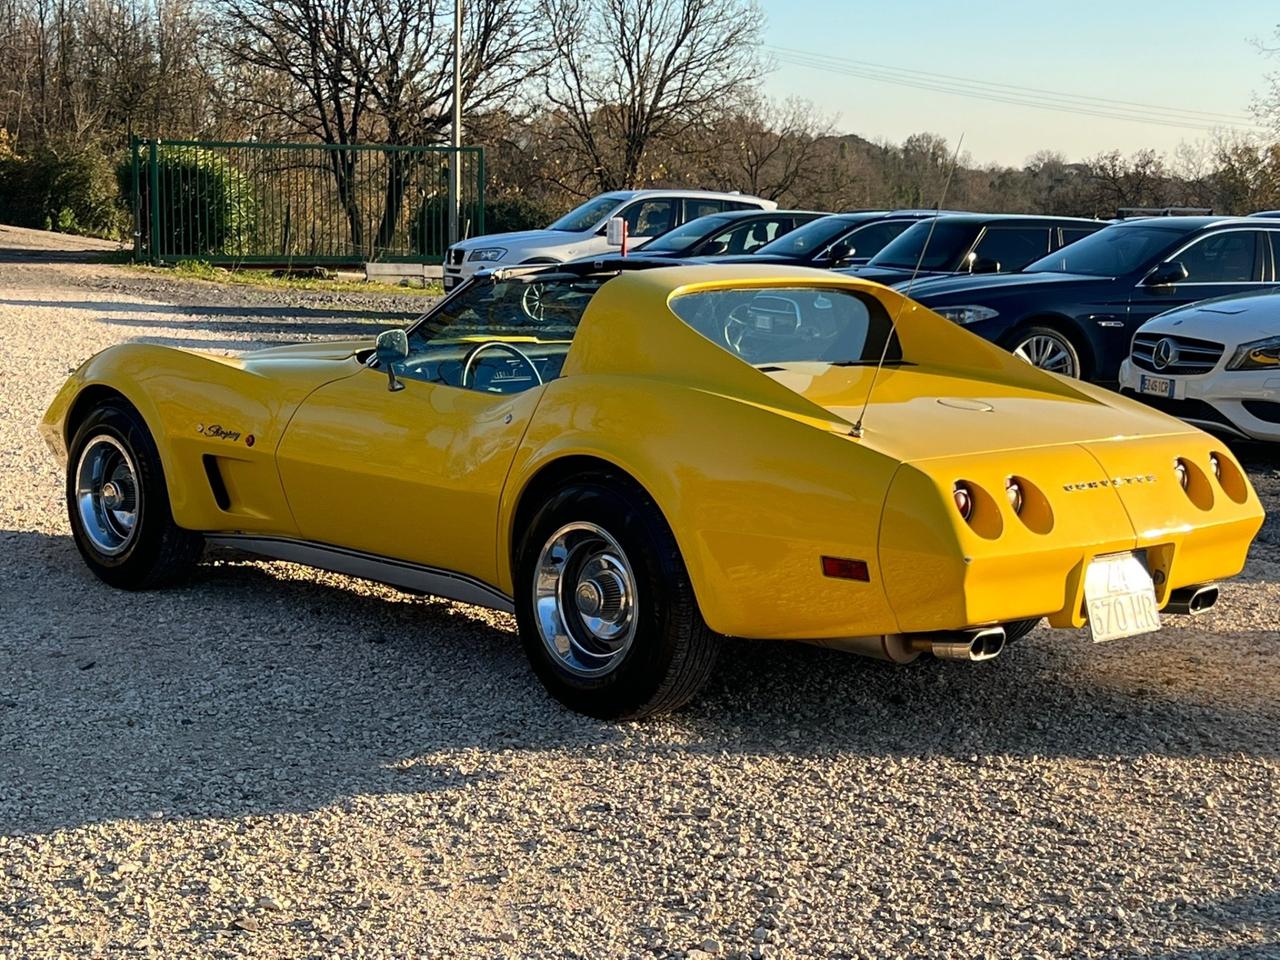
{"x": 837, "y": 240}
{"x": 639, "y": 462}
{"x": 581, "y": 232}
{"x": 1075, "y": 311}
{"x": 1215, "y": 364}
{"x": 969, "y": 243}
{"x": 731, "y": 232}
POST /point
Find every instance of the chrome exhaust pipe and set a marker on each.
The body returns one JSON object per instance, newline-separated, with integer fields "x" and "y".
{"x": 1192, "y": 600}
{"x": 984, "y": 643}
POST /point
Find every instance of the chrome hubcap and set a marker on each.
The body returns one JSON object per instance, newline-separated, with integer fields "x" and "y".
{"x": 584, "y": 598}
{"x": 107, "y": 495}
{"x": 1047, "y": 353}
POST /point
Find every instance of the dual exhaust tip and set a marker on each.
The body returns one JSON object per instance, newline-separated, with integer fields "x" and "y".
{"x": 986, "y": 643}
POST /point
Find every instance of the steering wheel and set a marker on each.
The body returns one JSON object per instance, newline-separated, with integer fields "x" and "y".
{"x": 469, "y": 360}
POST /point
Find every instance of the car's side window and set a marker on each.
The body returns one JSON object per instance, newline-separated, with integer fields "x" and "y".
{"x": 1013, "y": 247}
{"x": 1229, "y": 257}
{"x": 871, "y": 239}
{"x": 744, "y": 238}
{"x": 499, "y": 336}
{"x": 650, "y": 218}
{"x": 693, "y": 209}
{"x": 1072, "y": 234}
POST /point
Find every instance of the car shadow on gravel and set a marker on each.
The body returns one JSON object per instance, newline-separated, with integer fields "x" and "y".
{"x": 260, "y": 688}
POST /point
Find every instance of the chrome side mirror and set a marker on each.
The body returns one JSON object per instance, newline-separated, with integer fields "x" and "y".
{"x": 390, "y": 348}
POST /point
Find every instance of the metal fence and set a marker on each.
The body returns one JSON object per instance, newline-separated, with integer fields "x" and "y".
{"x": 290, "y": 204}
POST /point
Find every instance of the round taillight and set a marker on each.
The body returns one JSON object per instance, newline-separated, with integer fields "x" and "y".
{"x": 1184, "y": 475}
{"x": 964, "y": 501}
{"x": 1216, "y": 464}
{"x": 1013, "y": 491}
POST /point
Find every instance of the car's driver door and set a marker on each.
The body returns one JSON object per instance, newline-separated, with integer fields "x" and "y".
{"x": 415, "y": 474}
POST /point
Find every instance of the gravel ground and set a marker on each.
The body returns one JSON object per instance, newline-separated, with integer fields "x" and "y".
{"x": 271, "y": 762}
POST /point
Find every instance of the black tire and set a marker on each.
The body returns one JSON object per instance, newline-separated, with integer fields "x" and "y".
{"x": 159, "y": 552}
{"x": 673, "y": 651}
{"x": 1025, "y": 336}
{"x": 1017, "y": 629}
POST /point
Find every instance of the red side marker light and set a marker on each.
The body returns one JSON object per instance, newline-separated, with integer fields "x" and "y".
{"x": 842, "y": 568}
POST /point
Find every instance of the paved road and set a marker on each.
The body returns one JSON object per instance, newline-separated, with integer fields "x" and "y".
{"x": 275, "y": 763}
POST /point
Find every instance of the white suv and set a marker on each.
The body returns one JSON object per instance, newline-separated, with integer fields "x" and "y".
{"x": 1215, "y": 364}
{"x": 581, "y": 232}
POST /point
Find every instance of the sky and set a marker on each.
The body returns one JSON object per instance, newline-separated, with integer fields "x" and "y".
{"x": 1182, "y": 55}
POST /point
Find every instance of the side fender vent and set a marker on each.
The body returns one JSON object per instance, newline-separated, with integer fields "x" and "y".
{"x": 216, "y": 484}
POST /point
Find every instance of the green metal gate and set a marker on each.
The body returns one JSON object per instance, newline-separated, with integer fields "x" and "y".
{"x": 287, "y": 204}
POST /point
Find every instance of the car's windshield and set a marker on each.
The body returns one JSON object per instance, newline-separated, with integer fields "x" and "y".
{"x": 942, "y": 250}
{"x": 790, "y": 324}
{"x": 808, "y": 239}
{"x": 499, "y": 336}
{"x": 676, "y": 240}
{"x": 587, "y": 215}
{"x": 1111, "y": 252}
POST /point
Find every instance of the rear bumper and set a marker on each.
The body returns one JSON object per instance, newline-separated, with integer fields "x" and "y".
{"x": 1082, "y": 501}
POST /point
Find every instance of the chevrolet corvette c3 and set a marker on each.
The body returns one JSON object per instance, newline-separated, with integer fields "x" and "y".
{"x": 640, "y": 461}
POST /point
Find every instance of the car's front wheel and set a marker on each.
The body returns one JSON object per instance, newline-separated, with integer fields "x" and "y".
{"x": 1048, "y": 349}
{"x": 604, "y": 604}
{"x": 118, "y": 503}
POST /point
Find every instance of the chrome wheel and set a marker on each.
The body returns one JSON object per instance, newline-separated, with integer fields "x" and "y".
{"x": 1050, "y": 352}
{"x": 107, "y": 495}
{"x": 531, "y": 301}
{"x": 584, "y": 599}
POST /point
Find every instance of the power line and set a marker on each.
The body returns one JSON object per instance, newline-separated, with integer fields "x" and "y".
{"x": 1099, "y": 107}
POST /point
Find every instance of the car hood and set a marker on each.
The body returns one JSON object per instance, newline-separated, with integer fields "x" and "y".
{"x": 335, "y": 350}
{"x": 922, "y": 413}
{"x": 1228, "y": 321}
{"x": 996, "y": 283}
{"x": 519, "y": 238}
{"x": 891, "y": 275}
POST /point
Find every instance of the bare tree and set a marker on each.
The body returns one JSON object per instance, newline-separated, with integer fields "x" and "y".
{"x": 768, "y": 149}
{"x": 629, "y": 74}
{"x": 377, "y": 71}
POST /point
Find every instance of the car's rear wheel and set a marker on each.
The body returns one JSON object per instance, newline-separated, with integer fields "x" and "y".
{"x": 606, "y": 611}
{"x": 1048, "y": 349}
{"x": 118, "y": 503}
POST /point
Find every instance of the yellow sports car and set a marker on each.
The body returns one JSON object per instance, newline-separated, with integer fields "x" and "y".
{"x": 640, "y": 460}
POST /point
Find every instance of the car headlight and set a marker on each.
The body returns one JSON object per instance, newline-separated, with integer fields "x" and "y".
{"x": 488, "y": 254}
{"x": 967, "y": 314}
{"x": 1257, "y": 355}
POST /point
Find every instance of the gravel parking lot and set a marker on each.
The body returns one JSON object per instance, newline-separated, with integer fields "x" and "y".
{"x": 271, "y": 762}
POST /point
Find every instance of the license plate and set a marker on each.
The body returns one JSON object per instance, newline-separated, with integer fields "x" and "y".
{"x": 449, "y": 282}
{"x": 1120, "y": 598}
{"x": 1156, "y": 386}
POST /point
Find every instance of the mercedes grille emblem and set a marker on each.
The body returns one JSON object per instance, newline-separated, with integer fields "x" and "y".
{"x": 1165, "y": 354}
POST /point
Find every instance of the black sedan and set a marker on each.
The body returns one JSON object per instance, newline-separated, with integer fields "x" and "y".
{"x": 836, "y": 240}
{"x": 1075, "y": 311}
{"x": 973, "y": 243}
{"x": 731, "y": 232}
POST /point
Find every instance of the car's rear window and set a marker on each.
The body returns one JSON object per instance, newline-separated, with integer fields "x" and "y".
{"x": 790, "y": 324}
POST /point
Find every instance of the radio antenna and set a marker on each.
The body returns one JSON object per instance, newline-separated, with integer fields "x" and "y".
{"x": 856, "y": 431}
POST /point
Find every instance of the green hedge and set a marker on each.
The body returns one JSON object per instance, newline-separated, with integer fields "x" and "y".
{"x": 207, "y": 206}
{"x": 72, "y": 191}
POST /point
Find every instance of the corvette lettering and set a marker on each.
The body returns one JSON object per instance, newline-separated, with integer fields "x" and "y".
{"x": 217, "y": 431}
{"x": 1111, "y": 482}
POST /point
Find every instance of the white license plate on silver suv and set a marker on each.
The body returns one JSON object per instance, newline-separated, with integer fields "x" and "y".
{"x": 1120, "y": 598}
